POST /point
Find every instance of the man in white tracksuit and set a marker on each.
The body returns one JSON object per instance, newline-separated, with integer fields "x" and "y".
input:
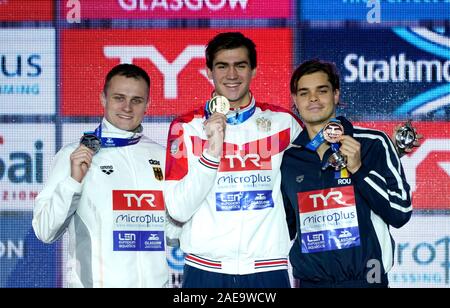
{"x": 223, "y": 179}
{"x": 111, "y": 202}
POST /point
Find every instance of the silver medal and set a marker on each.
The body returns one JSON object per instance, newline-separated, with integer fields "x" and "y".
{"x": 405, "y": 137}
{"x": 91, "y": 141}
{"x": 337, "y": 161}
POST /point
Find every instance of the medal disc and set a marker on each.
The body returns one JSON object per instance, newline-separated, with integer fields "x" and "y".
{"x": 333, "y": 131}
{"x": 219, "y": 104}
{"x": 91, "y": 141}
{"x": 405, "y": 137}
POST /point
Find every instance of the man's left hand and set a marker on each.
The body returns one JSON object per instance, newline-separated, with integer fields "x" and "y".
{"x": 352, "y": 149}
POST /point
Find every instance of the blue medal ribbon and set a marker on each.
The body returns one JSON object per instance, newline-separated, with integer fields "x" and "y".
{"x": 238, "y": 116}
{"x": 335, "y": 147}
{"x": 110, "y": 142}
{"x": 315, "y": 143}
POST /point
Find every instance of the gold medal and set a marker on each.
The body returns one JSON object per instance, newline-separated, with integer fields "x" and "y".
{"x": 219, "y": 104}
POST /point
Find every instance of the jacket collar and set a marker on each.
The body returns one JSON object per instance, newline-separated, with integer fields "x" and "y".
{"x": 109, "y": 130}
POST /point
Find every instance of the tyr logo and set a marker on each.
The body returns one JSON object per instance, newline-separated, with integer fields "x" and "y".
{"x": 170, "y": 71}
{"x": 336, "y": 196}
{"x": 149, "y": 198}
{"x": 253, "y": 159}
{"x": 138, "y": 200}
{"x": 240, "y": 161}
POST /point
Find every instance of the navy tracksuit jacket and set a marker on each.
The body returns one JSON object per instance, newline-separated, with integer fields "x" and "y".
{"x": 341, "y": 221}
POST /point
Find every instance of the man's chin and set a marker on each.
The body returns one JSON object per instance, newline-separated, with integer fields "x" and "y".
{"x": 234, "y": 98}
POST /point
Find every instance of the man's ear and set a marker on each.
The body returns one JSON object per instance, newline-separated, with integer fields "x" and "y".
{"x": 209, "y": 73}
{"x": 293, "y": 96}
{"x": 254, "y": 72}
{"x": 103, "y": 99}
{"x": 147, "y": 104}
{"x": 337, "y": 94}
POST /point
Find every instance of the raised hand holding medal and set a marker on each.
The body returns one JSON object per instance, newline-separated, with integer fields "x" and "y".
{"x": 81, "y": 158}
{"x": 215, "y": 110}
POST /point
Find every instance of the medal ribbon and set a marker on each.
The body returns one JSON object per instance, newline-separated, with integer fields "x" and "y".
{"x": 109, "y": 142}
{"x": 238, "y": 116}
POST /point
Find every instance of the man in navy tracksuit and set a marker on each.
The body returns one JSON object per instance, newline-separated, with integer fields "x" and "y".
{"x": 340, "y": 216}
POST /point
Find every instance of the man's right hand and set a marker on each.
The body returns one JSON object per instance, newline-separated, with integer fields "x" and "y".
{"x": 215, "y": 132}
{"x": 80, "y": 162}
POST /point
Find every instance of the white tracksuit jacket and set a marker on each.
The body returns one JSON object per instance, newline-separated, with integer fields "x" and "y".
{"x": 115, "y": 218}
{"x": 233, "y": 209}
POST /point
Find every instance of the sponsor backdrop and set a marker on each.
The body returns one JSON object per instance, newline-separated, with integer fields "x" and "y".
{"x": 421, "y": 257}
{"x": 26, "y": 151}
{"x": 391, "y": 72}
{"x": 394, "y": 57}
{"x": 190, "y": 9}
{"x": 27, "y": 77}
{"x": 26, "y": 10}
{"x": 176, "y": 66}
{"x": 391, "y": 10}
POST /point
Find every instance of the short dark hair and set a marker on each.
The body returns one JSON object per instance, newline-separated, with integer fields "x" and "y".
{"x": 127, "y": 70}
{"x": 312, "y": 66}
{"x": 230, "y": 40}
